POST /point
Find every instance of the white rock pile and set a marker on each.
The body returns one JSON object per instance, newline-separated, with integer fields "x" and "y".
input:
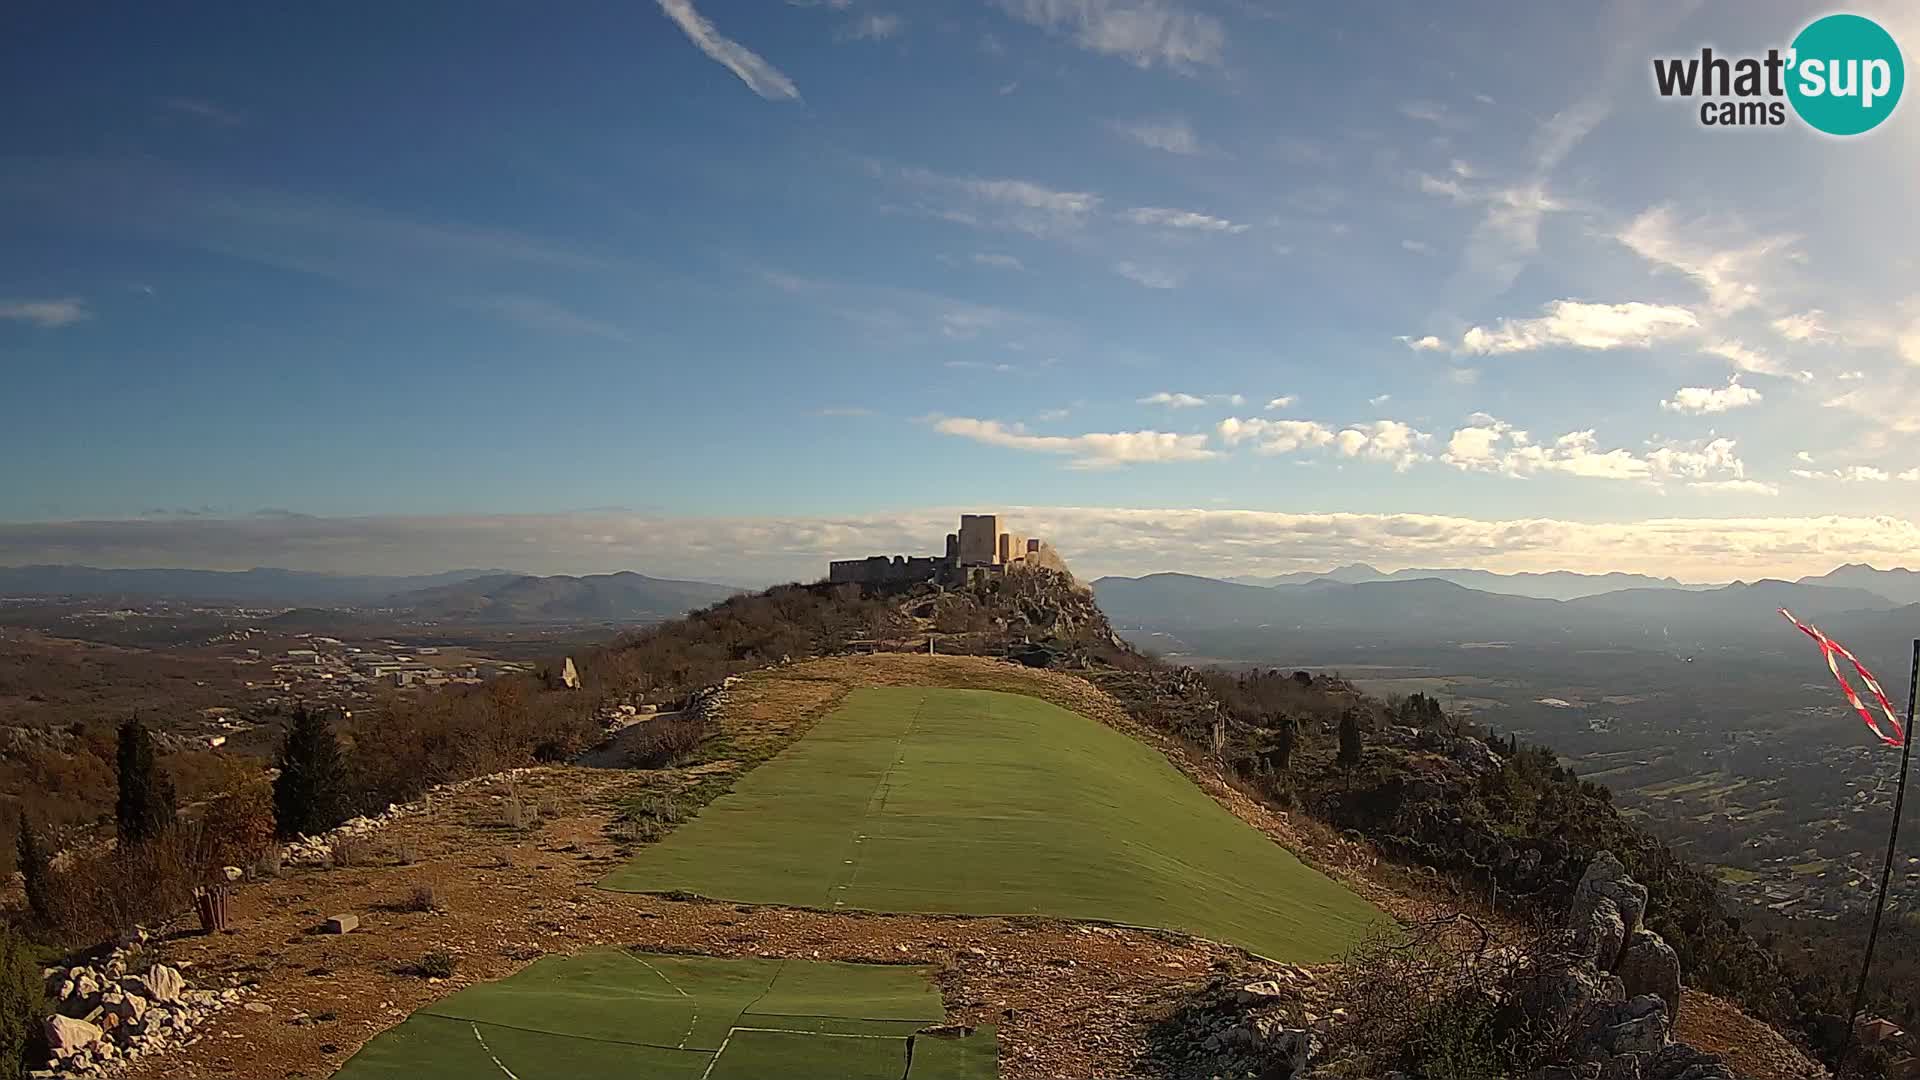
{"x": 105, "y": 1017}
{"x": 318, "y": 850}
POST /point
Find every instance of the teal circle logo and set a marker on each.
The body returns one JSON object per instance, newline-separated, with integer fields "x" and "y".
{"x": 1845, "y": 74}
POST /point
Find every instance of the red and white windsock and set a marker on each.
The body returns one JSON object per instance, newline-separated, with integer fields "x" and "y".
{"x": 1835, "y": 652}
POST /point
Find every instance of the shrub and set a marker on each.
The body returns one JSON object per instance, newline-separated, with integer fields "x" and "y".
{"x": 422, "y": 898}
{"x": 145, "y": 807}
{"x": 105, "y": 894}
{"x": 665, "y": 742}
{"x": 437, "y": 964}
{"x": 406, "y": 852}
{"x": 238, "y": 825}
{"x": 310, "y": 794}
{"x": 22, "y": 1002}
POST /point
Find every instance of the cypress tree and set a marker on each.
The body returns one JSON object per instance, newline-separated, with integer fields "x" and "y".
{"x": 35, "y": 872}
{"x": 145, "y": 808}
{"x": 310, "y": 794}
{"x": 1350, "y": 743}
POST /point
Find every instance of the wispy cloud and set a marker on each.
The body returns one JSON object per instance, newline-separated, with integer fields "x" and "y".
{"x": 1152, "y": 277}
{"x": 1144, "y": 32}
{"x": 64, "y": 311}
{"x": 1851, "y": 474}
{"x": 1165, "y": 218}
{"x": 761, "y": 77}
{"x": 1731, "y": 276}
{"x": 1005, "y": 203}
{"x": 1696, "y": 400}
{"x": 1094, "y": 450}
{"x": 202, "y": 109}
{"x": 1172, "y": 134}
{"x": 1285, "y": 401}
{"x": 997, "y": 260}
{"x": 843, "y": 410}
{"x": 538, "y": 314}
{"x": 872, "y": 27}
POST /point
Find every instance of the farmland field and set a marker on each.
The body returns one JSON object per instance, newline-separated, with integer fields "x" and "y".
{"x": 612, "y": 1013}
{"x": 978, "y": 802}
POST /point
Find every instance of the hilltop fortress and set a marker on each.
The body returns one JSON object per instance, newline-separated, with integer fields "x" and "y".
{"x": 978, "y": 550}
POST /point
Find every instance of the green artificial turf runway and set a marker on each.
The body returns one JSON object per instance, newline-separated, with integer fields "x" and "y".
{"x": 978, "y": 802}
{"x": 641, "y": 1016}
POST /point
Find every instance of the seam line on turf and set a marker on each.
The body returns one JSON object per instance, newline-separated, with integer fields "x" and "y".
{"x": 882, "y": 789}
{"x": 560, "y": 1034}
{"x": 692, "y": 1023}
{"x": 483, "y": 1045}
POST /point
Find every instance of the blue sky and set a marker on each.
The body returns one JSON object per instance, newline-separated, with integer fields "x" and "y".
{"x": 667, "y": 285}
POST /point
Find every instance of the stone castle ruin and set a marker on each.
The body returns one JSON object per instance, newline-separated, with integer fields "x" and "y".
{"x": 979, "y": 549}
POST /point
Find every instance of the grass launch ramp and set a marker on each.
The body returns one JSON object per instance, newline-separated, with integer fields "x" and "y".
{"x": 986, "y": 803}
{"x": 642, "y": 1016}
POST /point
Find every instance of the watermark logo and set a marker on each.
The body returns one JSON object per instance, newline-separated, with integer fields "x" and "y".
{"x": 1842, "y": 75}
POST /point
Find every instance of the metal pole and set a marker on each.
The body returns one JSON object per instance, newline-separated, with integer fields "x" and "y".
{"x": 1886, "y": 873}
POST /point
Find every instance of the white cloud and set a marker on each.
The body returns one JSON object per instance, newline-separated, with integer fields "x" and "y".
{"x": 1190, "y": 401}
{"x": 1851, "y": 474}
{"x": 1805, "y": 326}
{"x": 1094, "y": 540}
{"x": 1387, "y": 441}
{"x": 1171, "y": 134}
{"x": 1145, "y": 32}
{"x": 1095, "y": 450}
{"x": 1490, "y": 445}
{"x": 1164, "y": 218}
{"x": 1285, "y": 401}
{"x": 761, "y": 77}
{"x": 1379, "y": 399}
{"x": 1571, "y": 323}
{"x": 1173, "y": 401}
{"x": 1153, "y": 277}
{"x": 1696, "y": 400}
{"x": 1729, "y": 275}
{"x": 872, "y": 27}
{"x": 1418, "y": 247}
{"x": 64, "y": 311}
{"x": 843, "y": 410}
{"x": 1423, "y": 344}
{"x": 998, "y": 261}
{"x": 1430, "y": 112}
{"x": 1275, "y": 436}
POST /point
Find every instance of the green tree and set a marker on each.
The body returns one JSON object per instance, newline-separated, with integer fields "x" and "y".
{"x": 36, "y": 872}
{"x": 145, "y": 808}
{"x": 22, "y": 999}
{"x": 1351, "y": 744}
{"x": 310, "y": 794}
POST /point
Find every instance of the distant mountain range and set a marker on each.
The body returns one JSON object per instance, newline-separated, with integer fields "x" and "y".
{"x": 621, "y": 597}
{"x": 1554, "y": 585}
{"x": 470, "y": 595}
{"x": 1436, "y": 610}
{"x": 261, "y": 587}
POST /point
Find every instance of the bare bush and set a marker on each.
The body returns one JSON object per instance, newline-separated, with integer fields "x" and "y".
{"x": 665, "y": 742}
{"x": 518, "y": 813}
{"x": 1443, "y": 999}
{"x": 438, "y": 964}
{"x": 421, "y": 899}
